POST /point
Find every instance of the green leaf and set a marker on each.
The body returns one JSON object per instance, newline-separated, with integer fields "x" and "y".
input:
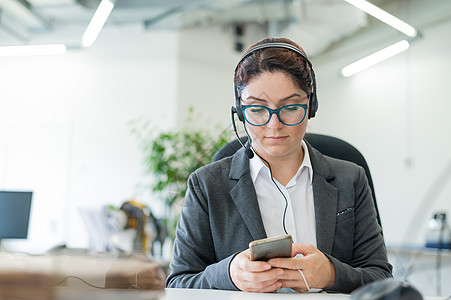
{"x": 171, "y": 156}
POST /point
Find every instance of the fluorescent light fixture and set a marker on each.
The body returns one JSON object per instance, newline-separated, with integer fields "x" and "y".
{"x": 29, "y": 50}
{"x": 98, "y": 20}
{"x": 375, "y": 58}
{"x": 384, "y": 16}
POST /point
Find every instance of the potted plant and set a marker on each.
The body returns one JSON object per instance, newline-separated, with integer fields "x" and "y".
{"x": 170, "y": 156}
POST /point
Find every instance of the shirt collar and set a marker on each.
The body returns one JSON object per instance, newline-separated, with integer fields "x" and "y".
{"x": 256, "y": 166}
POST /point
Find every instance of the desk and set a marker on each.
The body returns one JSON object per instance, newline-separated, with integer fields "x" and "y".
{"x": 177, "y": 294}
{"x": 63, "y": 293}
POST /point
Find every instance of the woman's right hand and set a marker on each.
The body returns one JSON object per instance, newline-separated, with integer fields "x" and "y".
{"x": 254, "y": 276}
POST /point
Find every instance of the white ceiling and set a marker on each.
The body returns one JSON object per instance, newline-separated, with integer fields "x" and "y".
{"x": 318, "y": 23}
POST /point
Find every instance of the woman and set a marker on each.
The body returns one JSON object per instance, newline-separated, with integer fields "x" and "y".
{"x": 289, "y": 187}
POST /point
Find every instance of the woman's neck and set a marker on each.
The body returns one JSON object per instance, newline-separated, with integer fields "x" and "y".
{"x": 283, "y": 168}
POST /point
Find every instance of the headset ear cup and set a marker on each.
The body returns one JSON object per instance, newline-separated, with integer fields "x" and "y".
{"x": 237, "y": 108}
{"x": 313, "y": 106}
{"x": 238, "y": 111}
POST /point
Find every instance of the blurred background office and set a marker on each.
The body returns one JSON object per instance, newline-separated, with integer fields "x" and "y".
{"x": 66, "y": 120}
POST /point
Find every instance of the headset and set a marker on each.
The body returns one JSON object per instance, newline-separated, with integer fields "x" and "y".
{"x": 313, "y": 101}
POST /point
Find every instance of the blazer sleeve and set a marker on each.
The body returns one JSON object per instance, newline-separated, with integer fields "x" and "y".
{"x": 368, "y": 261}
{"x": 194, "y": 264}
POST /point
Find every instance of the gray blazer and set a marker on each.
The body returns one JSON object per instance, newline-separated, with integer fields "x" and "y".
{"x": 220, "y": 216}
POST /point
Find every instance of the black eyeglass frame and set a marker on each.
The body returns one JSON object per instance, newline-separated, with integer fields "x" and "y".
{"x": 275, "y": 111}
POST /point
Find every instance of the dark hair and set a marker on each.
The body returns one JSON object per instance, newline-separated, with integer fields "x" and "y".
{"x": 273, "y": 60}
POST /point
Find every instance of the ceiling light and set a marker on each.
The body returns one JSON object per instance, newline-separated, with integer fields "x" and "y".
{"x": 375, "y": 58}
{"x": 55, "y": 49}
{"x": 384, "y": 16}
{"x": 98, "y": 20}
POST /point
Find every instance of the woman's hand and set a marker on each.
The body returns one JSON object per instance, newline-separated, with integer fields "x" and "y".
{"x": 254, "y": 276}
{"x": 316, "y": 267}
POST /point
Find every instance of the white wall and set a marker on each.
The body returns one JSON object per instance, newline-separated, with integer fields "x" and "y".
{"x": 65, "y": 128}
{"x": 207, "y": 60}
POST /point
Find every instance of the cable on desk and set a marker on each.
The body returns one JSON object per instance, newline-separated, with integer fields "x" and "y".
{"x": 136, "y": 279}
{"x": 411, "y": 268}
{"x": 82, "y": 280}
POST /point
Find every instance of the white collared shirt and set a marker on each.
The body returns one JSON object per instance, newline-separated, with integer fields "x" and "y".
{"x": 300, "y": 215}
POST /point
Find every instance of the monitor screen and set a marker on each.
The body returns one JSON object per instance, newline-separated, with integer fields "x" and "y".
{"x": 14, "y": 214}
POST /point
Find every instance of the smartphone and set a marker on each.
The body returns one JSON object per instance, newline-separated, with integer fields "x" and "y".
{"x": 265, "y": 249}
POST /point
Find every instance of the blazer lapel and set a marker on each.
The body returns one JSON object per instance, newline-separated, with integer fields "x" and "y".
{"x": 244, "y": 196}
{"x": 325, "y": 197}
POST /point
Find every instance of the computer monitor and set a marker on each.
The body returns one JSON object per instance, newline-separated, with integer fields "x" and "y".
{"x": 14, "y": 214}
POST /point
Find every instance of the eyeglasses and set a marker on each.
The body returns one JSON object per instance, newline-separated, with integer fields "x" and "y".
{"x": 259, "y": 115}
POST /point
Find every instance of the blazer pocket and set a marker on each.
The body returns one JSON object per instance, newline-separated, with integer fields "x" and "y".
{"x": 344, "y": 235}
{"x": 345, "y": 214}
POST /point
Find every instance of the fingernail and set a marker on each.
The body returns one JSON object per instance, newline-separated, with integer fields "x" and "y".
{"x": 280, "y": 272}
{"x": 267, "y": 266}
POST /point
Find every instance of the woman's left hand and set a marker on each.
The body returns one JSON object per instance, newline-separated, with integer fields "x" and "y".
{"x": 316, "y": 267}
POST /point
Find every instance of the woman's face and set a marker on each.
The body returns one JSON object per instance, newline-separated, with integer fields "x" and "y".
{"x": 274, "y": 139}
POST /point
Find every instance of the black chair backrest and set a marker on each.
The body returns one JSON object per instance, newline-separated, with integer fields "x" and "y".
{"x": 327, "y": 145}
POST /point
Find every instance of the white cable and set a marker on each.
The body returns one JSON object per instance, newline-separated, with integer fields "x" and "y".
{"x": 136, "y": 279}
{"x": 305, "y": 280}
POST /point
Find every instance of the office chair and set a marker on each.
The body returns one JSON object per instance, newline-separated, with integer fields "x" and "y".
{"x": 327, "y": 145}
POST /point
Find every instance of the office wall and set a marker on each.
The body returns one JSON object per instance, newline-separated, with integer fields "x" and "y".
{"x": 65, "y": 129}
{"x": 207, "y": 60}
